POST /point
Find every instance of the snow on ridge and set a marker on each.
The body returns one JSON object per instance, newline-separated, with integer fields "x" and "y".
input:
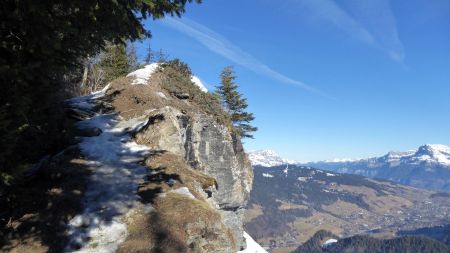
{"x": 142, "y": 75}
{"x": 267, "y": 158}
{"x": 341, "y": 160}
{"x": 430, "y": 153}
{"x": 199, "y": 83}
{"x": 439, "y": 147}
{"x": 434, "y": 153}
{"x": 252, "y": 245}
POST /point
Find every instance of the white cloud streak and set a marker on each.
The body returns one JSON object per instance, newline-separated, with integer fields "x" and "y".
{"x": 222, "y": 46}
{"x": 330, "y": 11}
{"x": 370, "y": 21}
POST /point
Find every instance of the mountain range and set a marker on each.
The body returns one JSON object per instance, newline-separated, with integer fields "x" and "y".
{"x": 426, "y": 167}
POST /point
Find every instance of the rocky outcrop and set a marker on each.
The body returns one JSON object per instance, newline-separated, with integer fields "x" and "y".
{"x": 185, "y": 136}
{"x": 210, "y": 148}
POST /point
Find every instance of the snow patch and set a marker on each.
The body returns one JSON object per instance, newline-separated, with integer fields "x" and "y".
{"x": 252, "y": 246}
{"x": 86, "y": 102}
{"x": 199, "y": 83}
{"x": 111, "y": 190}
{"x": 267, "y": 175}
{"x": 184, "y": 191}
{"x": 142, "y": 76}
{"x": 161, "y": 95}
{"x": 328, "y": 242}
{"x": 303, "y": 179}
{"x": 286, "y": 170}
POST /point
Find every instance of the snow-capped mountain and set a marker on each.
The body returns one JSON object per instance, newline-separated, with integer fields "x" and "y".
{"x": 436, "y": 154}
{"x": 426, "y": 167}
{"x": 439, "y": 154}
{"x": 267, "y": 158}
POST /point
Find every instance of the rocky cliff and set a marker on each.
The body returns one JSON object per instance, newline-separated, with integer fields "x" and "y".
{"x": 199, "y": 177}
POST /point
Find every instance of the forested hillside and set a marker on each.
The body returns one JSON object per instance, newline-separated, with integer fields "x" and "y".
{"x": 289, "y": 203}
{"x": 361, "y": 244}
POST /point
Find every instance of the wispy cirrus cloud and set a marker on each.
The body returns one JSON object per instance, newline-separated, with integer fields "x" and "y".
{"x": 369, "y": 21}
{"x": 222, "y": 46}
{"x": 330, "y": 11}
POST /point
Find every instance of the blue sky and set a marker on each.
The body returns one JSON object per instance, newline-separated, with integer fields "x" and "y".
{"x": 325, "y": 79}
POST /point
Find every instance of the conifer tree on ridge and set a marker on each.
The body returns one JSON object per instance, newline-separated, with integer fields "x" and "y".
{"x": 234, "y": 104}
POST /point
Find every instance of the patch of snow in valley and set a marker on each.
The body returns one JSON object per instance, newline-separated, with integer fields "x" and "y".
{"x": 267, "y": 175}
{"x": 303, "y": 179}
{"x": 328, "y": 242}
{"x": 286, "y": 170}
{"x": 252, "y": 246}
{"x": 111, "y": 190}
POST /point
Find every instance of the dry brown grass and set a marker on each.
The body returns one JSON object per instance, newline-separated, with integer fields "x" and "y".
{"x": 379, "y": 204}
{"x": 286, "y": 206}
{"x": 284, "y": 250}
{"x": 179, "y": 224}
{"x": 166, "y": 166}
{"x": 132, "y": 101}
{"x": 252, "y": 212}
{"x": 140, "y": 233}
{"x": 194, "y": 220}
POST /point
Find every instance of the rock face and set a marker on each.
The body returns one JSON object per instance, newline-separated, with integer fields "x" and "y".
{"x": 210, "y": 148}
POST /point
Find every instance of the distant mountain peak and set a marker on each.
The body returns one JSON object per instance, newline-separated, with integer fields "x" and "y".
{"x": 428, "y": 167}
{"x": 267, "y": 158}
{"x": 435, "y": 153}
{"x": 428, "y": 153}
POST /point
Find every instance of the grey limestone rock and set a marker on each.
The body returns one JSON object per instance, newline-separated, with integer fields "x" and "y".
{"x": 211, "y": 148}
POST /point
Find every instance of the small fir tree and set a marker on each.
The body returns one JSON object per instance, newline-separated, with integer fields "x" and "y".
{"x": 235, "y": 104}
{"x": 150, "y": 55}
{"x": 160, "y": 56}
